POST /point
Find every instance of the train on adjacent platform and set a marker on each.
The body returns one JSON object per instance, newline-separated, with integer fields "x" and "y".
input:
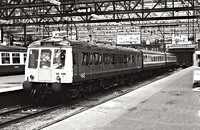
{"x": 196, "y": 69}
{"x": 12, "y": 60}
{"x": 68, "y": 68}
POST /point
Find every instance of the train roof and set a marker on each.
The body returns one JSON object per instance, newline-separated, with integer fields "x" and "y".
{"x": 171, "y": 54}
{"x": 152, "y": 52}
{"x": 12, "y": 48}
{"x": 50, "y": 42}
{"x": 57, "y": 41}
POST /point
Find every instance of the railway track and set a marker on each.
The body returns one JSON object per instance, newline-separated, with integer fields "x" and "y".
{"x": 70, "y": 108}
{"x": 19, "y": 114}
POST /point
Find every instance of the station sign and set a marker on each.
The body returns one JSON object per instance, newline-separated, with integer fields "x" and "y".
{"x": 181, "y": 46}
{"x": 63, "y": 33}
{"x": 180, "y": 39}
{"x": 128, "y": 38}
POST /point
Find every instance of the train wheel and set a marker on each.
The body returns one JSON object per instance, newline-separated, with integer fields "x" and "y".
{"x": 34, "y": 95}
{"x": 106, "y": 84}
{"x": 130, "y": 83}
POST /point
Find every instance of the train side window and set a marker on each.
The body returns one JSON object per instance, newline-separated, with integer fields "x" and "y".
{"x": 74, "y": 59}
{"x": 133, "y": 60}
{"x": 5, "y": 58}
{"x": 150, "y": 58}
{"x": 125, "y": 59}
{"x": 115, "y": 58}
{"x": 59, "y": 59}
{"x": 109, "y": 58}
{"x": 85, "y": 58}
{"x": 100, "y": 59}
{"x": 129, "y": 59}
{"x": 96, "y": 58}
{"x": 25, "y": 55}
{"x": 15, "y": 58}
{"x": 33, "y": 58}
{"x": 140, "y": 60}
{"x": 112, "y": 58}
{"x": 137, "y": 60}
{"x": 119, "y": 58}
{"x": 145, "y": 58}
{"x": 105, "y": 58}
{"x": 91, "y": 59}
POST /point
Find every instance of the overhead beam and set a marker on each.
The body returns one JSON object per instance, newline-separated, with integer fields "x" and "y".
{"x": 104, "y": 21}
{"x": 63, "y": 14}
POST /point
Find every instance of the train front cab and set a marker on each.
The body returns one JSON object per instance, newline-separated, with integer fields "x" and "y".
{"x": 196, "y": 69}
{"x": 40, "y": 72}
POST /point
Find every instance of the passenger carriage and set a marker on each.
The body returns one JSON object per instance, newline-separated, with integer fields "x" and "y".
{"x": 196, "y": 68}
{"x": 12, "y": 60}
{"x": 153, "y": 60}
{"x": 171, "y": 61}
{"x": 98, "y": 61}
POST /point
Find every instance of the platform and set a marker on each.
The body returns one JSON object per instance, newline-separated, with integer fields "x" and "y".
{"x": 11, "y": 83}
{"x": 167, "y": 104}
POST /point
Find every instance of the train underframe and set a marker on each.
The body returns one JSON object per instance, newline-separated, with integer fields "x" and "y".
{"x": 40, "y": 91}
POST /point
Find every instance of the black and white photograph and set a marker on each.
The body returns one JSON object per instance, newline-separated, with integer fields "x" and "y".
{"x": 100, "y": 64}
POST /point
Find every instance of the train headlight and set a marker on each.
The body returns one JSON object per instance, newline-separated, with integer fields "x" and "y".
{"x": 27, "y": 86}
{"x": 32, "y": 77}
{"x": 56, "y": 87}
{"x": 58, "y": 77}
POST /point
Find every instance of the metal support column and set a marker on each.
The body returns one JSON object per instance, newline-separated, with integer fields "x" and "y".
{"x": 1, "y": 35}
{"x": 25, "y": 39}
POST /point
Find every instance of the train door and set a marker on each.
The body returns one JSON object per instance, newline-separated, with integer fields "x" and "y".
{"x": 196, "y": 66}
{"x": 94, "y": 65}
{"x": 106, "y": 64}
{"x": 84, "y": 68}
{"x": 134, "y": 61}
{"x": 44, "y": 73}
{"x": 100, "y": 63}
{"x": 32, "y": 64}
{"x": 75, "y": 66}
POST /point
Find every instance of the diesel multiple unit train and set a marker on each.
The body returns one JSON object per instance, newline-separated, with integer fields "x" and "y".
{"x": 59, "y": 66}
{"x": 12, "y": 60}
